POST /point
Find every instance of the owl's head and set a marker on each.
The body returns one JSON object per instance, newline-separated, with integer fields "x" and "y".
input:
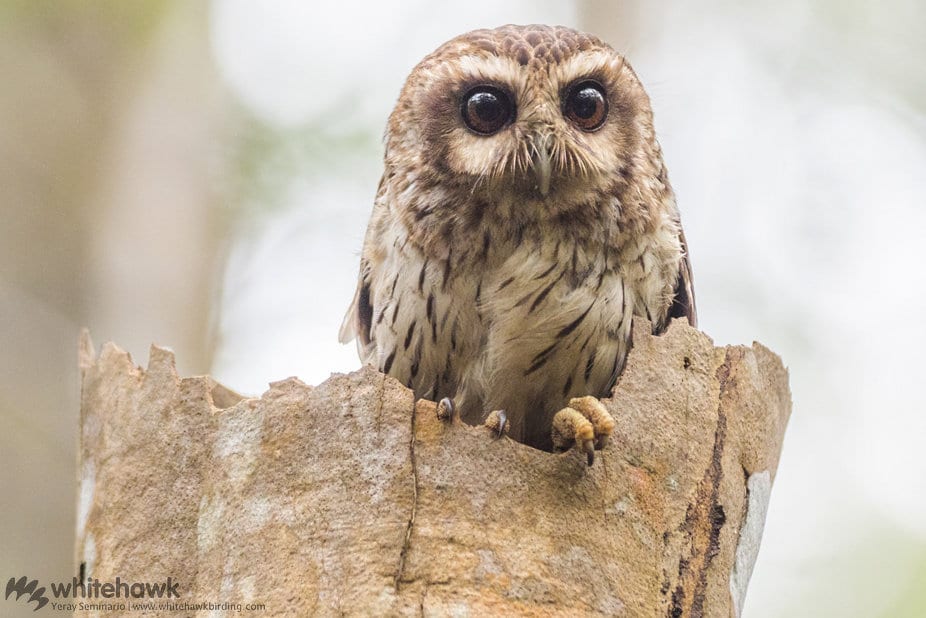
{"x": 545, "y": 115}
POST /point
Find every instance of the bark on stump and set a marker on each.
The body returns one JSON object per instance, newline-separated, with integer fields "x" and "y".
{"x": 351, "y": 498}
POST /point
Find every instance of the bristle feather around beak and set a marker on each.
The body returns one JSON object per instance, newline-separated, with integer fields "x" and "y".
{"x": 541, "y": 162}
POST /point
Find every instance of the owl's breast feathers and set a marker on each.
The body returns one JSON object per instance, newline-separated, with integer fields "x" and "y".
{"x": 519, "y": 319}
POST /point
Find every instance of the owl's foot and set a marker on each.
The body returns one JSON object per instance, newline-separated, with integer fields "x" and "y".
{"x": 497, "y": 421}
{"x": 446, "y": 410}
{"x": 585, "y": 423}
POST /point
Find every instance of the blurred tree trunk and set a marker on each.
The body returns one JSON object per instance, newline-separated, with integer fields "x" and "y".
{"x": 154, "y": 257}
{"x": 107, "y": 117}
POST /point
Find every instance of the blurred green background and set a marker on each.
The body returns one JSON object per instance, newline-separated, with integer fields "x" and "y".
{"x": 200, "y": 174}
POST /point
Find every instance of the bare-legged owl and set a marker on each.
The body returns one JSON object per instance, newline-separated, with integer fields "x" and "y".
{"x": 523, "y": 219}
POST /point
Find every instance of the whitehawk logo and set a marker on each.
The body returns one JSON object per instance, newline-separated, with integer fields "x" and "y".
{"x": 23, "y": 586}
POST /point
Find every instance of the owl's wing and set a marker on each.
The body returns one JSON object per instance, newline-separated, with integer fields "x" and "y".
{"x": 683, "y": 304}
{"x": 359, "y": 318}
{"x": 349, "y": 327}
{"x": 358, "y": 322}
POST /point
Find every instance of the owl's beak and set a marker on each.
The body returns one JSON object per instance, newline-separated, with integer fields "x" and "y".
{"x": 540, "y": 162}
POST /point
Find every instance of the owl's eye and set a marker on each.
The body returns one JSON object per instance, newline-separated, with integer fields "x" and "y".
{"x": 586, "y": 106}
{"x": 486, "y": 109}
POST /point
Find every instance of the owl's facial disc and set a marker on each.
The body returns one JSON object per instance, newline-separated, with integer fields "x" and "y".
{"x": 542, "y": 138}
{"x": 546, "y": 133}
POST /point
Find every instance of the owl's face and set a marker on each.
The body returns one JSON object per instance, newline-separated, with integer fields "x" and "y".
{"x": 544, "y": 115}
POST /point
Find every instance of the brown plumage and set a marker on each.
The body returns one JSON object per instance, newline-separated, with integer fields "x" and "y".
{"x": 524, "y": 217}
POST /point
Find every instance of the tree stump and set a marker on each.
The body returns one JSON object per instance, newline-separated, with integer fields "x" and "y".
{"x": 351, "y": 498}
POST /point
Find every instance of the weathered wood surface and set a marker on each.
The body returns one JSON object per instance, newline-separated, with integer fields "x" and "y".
{"x": 349, "y": 498}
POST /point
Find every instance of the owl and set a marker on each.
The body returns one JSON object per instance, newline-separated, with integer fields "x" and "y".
{"x": 523, "y": 220}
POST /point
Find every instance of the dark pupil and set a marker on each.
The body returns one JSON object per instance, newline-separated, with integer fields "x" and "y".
{"x": 585, "y": 103}
{"x": 485, "y": 106}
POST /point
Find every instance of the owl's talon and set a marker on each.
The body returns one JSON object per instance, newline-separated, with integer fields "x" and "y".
{"x": 446, "y": 409}
{"x": 589, "y": 449}
{"x": 497, "y": 421}
{"x": 585, "y": 424}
